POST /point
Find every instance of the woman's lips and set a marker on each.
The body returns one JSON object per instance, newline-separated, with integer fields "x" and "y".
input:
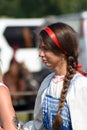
{"x": 44, "y": 61}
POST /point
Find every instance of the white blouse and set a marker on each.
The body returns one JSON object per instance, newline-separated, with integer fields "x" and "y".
{"x": 76, "y": 99}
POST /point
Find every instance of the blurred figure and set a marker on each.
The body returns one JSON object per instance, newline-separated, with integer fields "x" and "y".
{"x": 19, "y": 79}
{"x": 11, "y": 78}
{"x": 31, "y": 84}
{"x": 14, "y": 82}
{"x": 8, "y": 119}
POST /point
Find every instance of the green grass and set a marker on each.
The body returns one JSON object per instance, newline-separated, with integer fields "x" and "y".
{"x": 24, "y": 117}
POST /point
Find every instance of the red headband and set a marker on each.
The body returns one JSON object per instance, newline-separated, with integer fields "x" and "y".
{"x": 54, "y": 39}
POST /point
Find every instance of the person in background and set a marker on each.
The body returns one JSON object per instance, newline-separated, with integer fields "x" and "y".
{"x": 11, "y": 78}
{"x": 19, "y": 79}
{"x": 8, "y": 118}
{"x": 61, "y": 102}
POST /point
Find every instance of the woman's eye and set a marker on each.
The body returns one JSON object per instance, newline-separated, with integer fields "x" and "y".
{"x": 45, "y": 49}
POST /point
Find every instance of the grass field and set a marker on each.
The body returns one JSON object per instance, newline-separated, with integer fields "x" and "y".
{"x": 25, "y": 116}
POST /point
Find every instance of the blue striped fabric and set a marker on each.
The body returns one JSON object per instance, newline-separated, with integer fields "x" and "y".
{"x": 50, "y": 109}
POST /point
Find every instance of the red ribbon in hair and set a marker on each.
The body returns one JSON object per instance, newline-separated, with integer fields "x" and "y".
{"x": 54, "y": 39}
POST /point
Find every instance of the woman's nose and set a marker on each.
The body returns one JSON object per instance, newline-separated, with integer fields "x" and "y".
{"x": 41, "y": 53}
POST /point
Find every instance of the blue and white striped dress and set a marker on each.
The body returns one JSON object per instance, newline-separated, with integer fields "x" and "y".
{"x": 50, "y": 105}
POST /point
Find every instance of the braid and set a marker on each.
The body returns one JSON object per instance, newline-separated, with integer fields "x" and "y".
{"x": 71, "y": 70}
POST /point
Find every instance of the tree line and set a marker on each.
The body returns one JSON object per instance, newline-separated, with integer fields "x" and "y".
{"x": 40, "y": 8}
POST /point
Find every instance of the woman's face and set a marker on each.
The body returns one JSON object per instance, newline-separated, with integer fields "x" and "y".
{"x": 48, "y": 57}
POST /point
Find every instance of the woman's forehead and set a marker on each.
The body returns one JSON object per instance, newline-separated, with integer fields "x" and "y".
{"x": 41, "y": 42}
{"x": 40, "y": 39}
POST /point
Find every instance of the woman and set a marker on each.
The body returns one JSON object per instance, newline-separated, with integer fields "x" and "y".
{"x": 61, "y": 103}
{"x": 8, "y": 119}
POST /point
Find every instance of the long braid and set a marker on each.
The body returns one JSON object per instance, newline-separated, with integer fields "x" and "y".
{"x": 71, "y": 70}
{"x": 60, "y": 38}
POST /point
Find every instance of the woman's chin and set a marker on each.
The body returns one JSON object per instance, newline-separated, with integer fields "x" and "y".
{"x": 48, "y": 65}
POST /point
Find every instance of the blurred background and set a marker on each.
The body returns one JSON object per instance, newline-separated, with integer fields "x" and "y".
{"x": 20, "y": 24}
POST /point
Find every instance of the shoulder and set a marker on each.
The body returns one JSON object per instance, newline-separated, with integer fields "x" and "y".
{"x": 77, "y": 89}
{"x": 4, "y": 94}
{"x": 3, "y": 89}
{"x": 78, "y": 84}
{"x": 79, "y": 80}
{"x": 48, "y": 78}
{"x": 2, "y": 85}
{"x": 46, "y": 82}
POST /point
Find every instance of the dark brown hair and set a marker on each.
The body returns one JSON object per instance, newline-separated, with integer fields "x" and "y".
{"x": 67, "y": 38}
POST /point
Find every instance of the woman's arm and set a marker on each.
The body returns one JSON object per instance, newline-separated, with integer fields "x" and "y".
{"x": 7, "y": 113}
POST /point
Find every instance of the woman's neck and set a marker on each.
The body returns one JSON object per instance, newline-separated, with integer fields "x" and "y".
{"x": 61, "y": 70}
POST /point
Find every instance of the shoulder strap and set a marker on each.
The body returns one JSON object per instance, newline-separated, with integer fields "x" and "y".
{"x": 2, "y": 84}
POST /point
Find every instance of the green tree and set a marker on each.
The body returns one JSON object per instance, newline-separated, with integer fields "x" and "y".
{"x": 10, "y": 8}
{"x": 40, "y": 8}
